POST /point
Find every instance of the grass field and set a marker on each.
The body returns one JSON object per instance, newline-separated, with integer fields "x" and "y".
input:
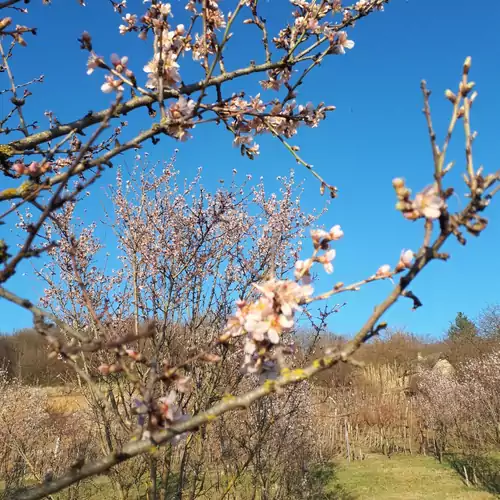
{"x": 375, "y": 478}
{"x": 400, "y": 477}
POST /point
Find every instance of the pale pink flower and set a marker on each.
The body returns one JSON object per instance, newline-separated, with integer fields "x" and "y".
{"x": 165, "y": 9}
{"x": 336, "y": 233}
{"x": 384, "y": 271}
{"x": 242, "y": 139}
{"x": 130, "y": 20}
{"x": 428, "y": 202}
{"x": 133, "y": 354}
{"x": 120, "y": 63}
{"x": 405, "y": 260}
{"x": 170, "y": 71}
{"x": 272, "y": 314}
{"x": 111, "y": 85}
{"x": 93, "y": 63}
{"x": 319, "y": 236}
{"x": 361, "y": 4}
{"x": 183, "y": 108}
{"x": 103, "y": 369}
{"x": 167, "y": 406}
{"x": 302, "y": 270}
{"x": 326, "y": 260}
{"x": 342, "y": 43}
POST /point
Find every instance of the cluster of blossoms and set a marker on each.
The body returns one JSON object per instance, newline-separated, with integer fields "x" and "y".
{"x": 159, "y": 414}
{"x": 265, "y": 320}
{"x": 167, "y": 58}
{"x": 321, "y": 241}
{"x": 405, "y": 262}
{"x": 428, "y": 203}
{"x": 154, "y": 413}
{"x": 247, "y": 118}
{"x": 180, "y": 114}
{"x": 130, "y": 21}
{"x": 310, "y": 20}
{"x": 33, "y": 169}
{"x": 168, "y": 44}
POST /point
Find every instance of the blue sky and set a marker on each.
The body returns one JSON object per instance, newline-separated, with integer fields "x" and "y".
{"x": 378, "y": 132}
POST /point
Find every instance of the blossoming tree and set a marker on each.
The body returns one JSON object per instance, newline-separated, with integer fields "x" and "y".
{"x": 200, "y": 255}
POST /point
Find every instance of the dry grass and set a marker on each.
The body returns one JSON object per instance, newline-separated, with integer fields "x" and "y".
{"x": 64, "y": 400}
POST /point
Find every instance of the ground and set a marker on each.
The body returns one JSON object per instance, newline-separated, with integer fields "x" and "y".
{"x": 399, "y": 477}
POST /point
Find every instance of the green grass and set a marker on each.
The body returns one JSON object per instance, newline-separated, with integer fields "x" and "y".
{"x": 400, "y": 477}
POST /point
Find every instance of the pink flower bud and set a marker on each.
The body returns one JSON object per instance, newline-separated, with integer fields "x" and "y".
{"x": 407, "y": 257}
{"x": 19, "y": 168}
{"x": 104, "y": 369}
{"x": 33, "y": 168}
{"x": 336, "y": 233}
{"x": 405, "y": 260}
{"x": 132, "y": 354}
{"x": 384, "y": 271}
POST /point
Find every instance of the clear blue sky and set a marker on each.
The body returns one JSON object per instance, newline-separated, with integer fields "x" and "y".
{"x": 378, "y": 132}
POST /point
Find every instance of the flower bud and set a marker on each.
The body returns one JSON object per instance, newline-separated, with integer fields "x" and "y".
{"x": 19, "y": 168}
{"x": 467, "y": 65}
{"x": 33, "y": 168}
{"x": 5, "y": 22}
{"x": 384, "y": 271}
{"x": 104, "y": 369}
{"x": 398, "y": 183}
{"x": 450, "y": 96}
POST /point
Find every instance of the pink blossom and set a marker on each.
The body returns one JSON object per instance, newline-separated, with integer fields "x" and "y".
{"x": 384, "y": 271}
{"x": 183, "y": 108}
{"x": 33, "y": 168}
{"x": 111, "y": 85}
{"x": 104, "y": 369}
{"x": 302, "y": 270}
{"x": 428, "y": 202}
{"x": 326, "y": 260}
{"x": 93, "y": 63}
{"x": 133, "y": 354}
{"x": 342, "y": 43}
{"x": 319, "y": 236}
{"x": 168, "y": 407}
{"x": 361, "y": 4}
{"x": 130, "y": 22}
{"x": 336, "y": 233}
{"x": 405, "y": 260}
{"x": 171, "y": 75}
{"x": 19, "y": 168}
{"x": 120, "y": 63}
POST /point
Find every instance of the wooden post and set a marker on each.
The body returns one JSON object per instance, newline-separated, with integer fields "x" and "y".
{"x": 466, "y": 477}
{"x": 348, "y": 447}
